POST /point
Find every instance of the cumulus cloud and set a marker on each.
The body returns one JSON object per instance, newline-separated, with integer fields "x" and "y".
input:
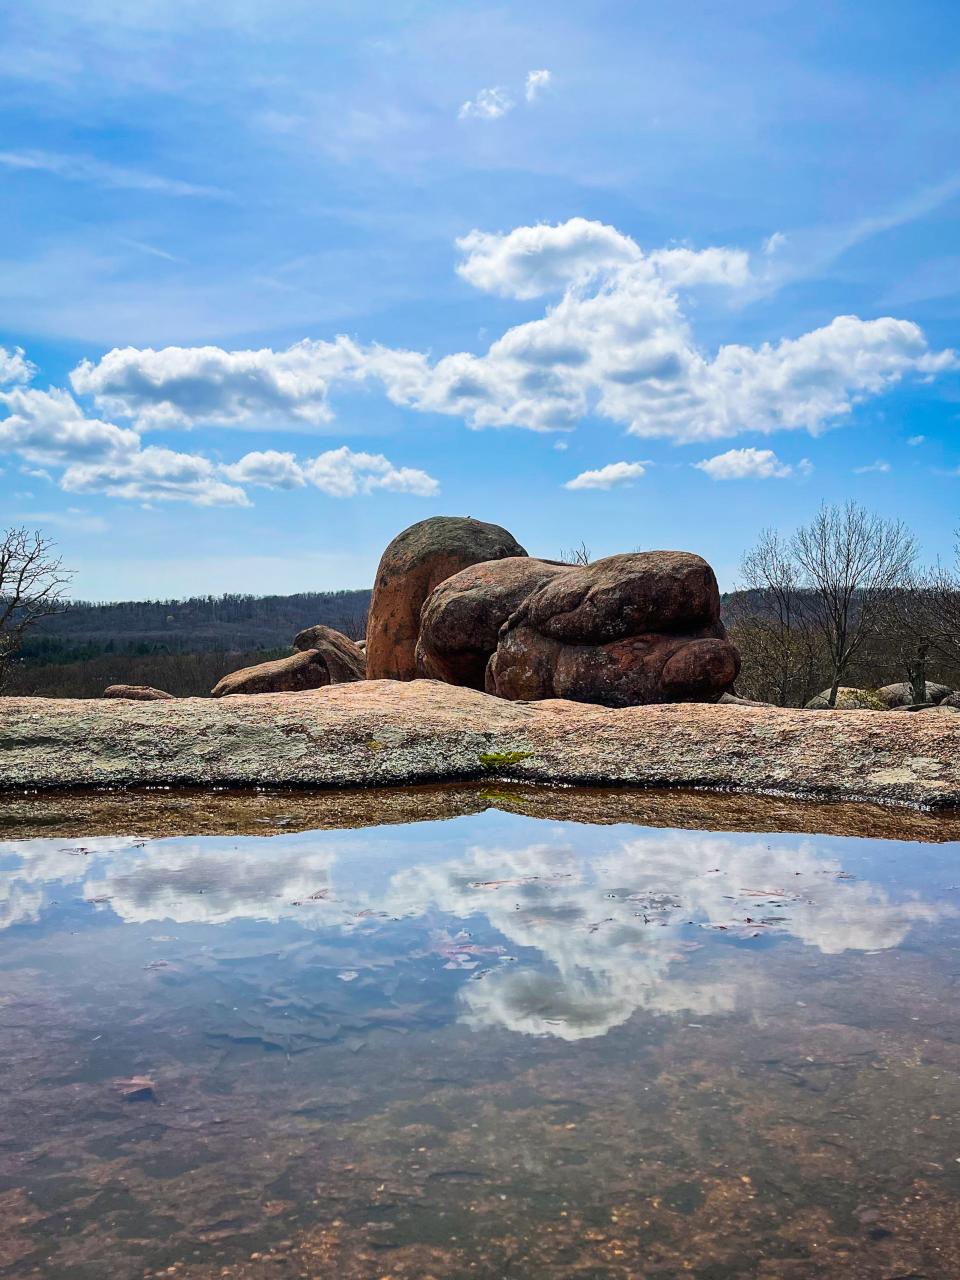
{"x": 613, "y": 475}
{"x": 155, "y": 475}
{"x": 489, "y": 104}
{"x": 14, "y": 366}
{"x": 746, "y": 464}
{"x": 537, "y": 82}
{"x": 269, "y": 468}
{"x": 614, "y": 342}
{"x": 48, "y": 428}
{"x": 342, "y": 473}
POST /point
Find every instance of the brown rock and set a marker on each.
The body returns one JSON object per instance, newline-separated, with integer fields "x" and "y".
{"x": 415, "y": 562}
{"x": 136, "y": 693}
{"x": 345, "y": 660}
{"x": 629, "y": 629}
{"x": 461, "y": 618}
{"x": 304, "y": 670}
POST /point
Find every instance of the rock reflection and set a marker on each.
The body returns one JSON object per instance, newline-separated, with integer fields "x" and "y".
{"x": 590, "y": 927}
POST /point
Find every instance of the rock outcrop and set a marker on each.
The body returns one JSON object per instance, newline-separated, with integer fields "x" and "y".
{"x": 629, "y": 629}
{"x": 415, "y": 562}
{"x": 136, "y": 693}
{"x": 461, "y": 618}
{"x": 304, "y": 670}
{"x": 380, "y": 733}
{"x": 848, "y": 699}
{"x": 345, "y": 661}
{"x": 901, "y": 695}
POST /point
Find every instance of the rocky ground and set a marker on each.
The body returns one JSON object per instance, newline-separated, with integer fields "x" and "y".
{"x": 388, "y": 733}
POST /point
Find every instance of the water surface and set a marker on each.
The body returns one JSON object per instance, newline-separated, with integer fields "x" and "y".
{"x": 490, "y": 1045}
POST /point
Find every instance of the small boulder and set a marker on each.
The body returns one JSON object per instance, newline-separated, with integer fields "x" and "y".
{"x": 901, "y": 695}
{"x": 415, "y": 562}
{"x": 304, "y": 670}
{"x": 345, "y": 660}
{"x": 638, "y": 628}
{"x": 461, "y": 618}
{"x": 848, "y": 699}
{"x": 951, "y": 700}
{"x": 734, "y": 700}
{"x": 136, "y": 693}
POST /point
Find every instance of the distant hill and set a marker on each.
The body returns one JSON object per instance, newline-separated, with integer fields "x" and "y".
{"x": 183, "y": 646}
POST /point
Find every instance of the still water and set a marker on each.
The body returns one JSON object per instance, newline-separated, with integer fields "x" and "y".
{"x": 492, "y": 1045}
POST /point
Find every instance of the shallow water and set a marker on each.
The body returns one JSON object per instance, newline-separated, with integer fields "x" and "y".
{"x": 492, "y": 1045}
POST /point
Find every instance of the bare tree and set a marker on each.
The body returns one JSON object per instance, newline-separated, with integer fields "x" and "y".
{"x": 779, "y": 645}
{"x": 849, "y": 561}
{"x": 579, "y": 555}
{"x": 32, "y": 586}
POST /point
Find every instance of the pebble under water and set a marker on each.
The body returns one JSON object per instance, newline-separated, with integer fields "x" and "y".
{"x": 494, "y": 1046}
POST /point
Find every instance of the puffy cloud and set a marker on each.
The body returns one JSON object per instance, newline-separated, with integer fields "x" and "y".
{"x": 155, "y": 475}
{"x": 536, "y": 82}
{"x": 608, "y": 477}
{"x": 270, "y": 469}
{"x": 14, "y": 366}
{"x": 745, "y": 464}
{"x": 180, "y": 386}
{"x": 49, "y": 428}
{"x": 341, "y": 473}
{"x": 531, "y": 261}
{"x": 616, "y": 344}
{"x": 489, "y": 104}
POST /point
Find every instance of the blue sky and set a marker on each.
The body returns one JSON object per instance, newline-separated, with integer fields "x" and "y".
{"x": 278, "y": 280}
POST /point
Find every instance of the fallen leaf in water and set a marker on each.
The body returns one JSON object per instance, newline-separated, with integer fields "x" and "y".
{"x": 137, "y": 1089}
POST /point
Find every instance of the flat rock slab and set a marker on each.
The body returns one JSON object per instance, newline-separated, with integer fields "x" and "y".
{"x": 387, "y": 733}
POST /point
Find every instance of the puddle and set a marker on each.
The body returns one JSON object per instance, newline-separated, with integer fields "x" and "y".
{"x": 488, "y": 1044}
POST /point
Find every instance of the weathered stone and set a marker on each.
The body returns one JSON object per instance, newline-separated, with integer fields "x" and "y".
{"x": 461, "y": 618}
{"x": 136, "y": 693}
{"x": 951, "y": 700}
{"x": 734, "y": 700}
{"x": 901, "y": 695}
{"x": 848, "y": 699}
{"x": 345, "y": 660}
{"x": 304, "y": 670}
{"x": 371, "y": 733}
{"x": 415, "y": 562}
{"x": 638, "y": 628}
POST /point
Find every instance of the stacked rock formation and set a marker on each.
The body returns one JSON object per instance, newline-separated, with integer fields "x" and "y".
{"x": 629, "y": 629}
{"x": 460, "y": 601}
{"x": 414, "y": 563}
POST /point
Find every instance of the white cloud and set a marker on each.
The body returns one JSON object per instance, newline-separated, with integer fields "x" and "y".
{"x": 913, "y": 441}
{"x": 49, "y": 428}
{"x": 14, "y": 366}
{"x": 615, "y": 344}
{"x": 180, "y": 386}
{"x": 880, "y": 466}
{"x": 270, "y": 469}
{"x": 342, "y": 473}
{"x": 155, "y": 475}
{"x": 78, "y": 168}
{"x": 536, "y": 82}
{"x": 614, "y": 474}
{"x": 489, "y": 104}
{"x": 747, "y": 464}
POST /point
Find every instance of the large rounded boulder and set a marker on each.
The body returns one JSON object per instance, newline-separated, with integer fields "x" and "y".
{"x": 629, "y": 629}
{"x": 461, "y": 618}
{"x": 414, "y": 563}
{"x": 345, "y": 660}
{"x": 901, "y": 695}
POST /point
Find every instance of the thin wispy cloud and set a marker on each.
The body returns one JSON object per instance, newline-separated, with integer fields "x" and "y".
{"x": 880, "y": 467}
{"x": 537, "y": 82}
{"x": 87, "y": 169}
{"x": 489, "y": 104}
{"x": 913, "y": 441}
